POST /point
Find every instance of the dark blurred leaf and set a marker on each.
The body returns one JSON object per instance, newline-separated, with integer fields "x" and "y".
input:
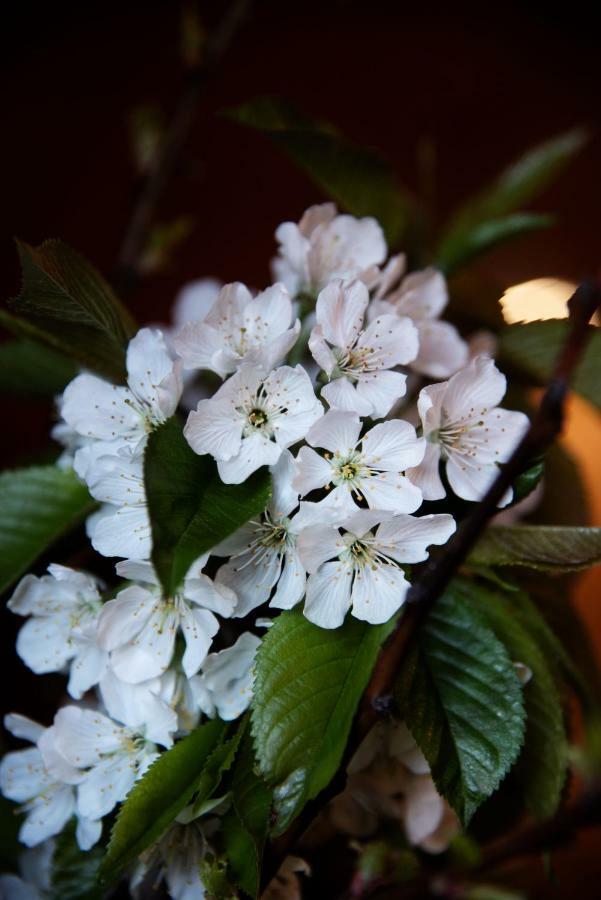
{"x": 74, "y": 871}
{"x": 29, "y": 369}
{"x": 66, "y": 304}
{"x": 10, "y": 848}
{"x": 191, "y": 509}
{"x": 460, "y": 696}
{"x": 37, "y": 506}
{"x": 532, "y": 350}
{"x": 549, "y": 548}
{"x": 542, "y": 764}
{"x": 355, "y": 177}
{"x": 521, "y": 182}
{"x": 246, "y": 824}
{"x": 559, "y": 506}
{"x": 459, "y": 247}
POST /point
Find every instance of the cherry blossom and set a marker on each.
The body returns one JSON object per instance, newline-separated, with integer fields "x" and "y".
{"x": 224, "y": 686}
{"x": 47, "y": 798}
{"x": 240, "y": 329}
{"x": 177, "y": 857}
{"x": 465, "y": 428}
{"x": 252, "y": 418}
{"x": 357, "y": 362}
{"x": 63, "y": 607}
{"x": 351, "y": 565}
{"x": 105, "y": 757}
{"x": 324, "y": 246}
{"x": 262, "y": 554}
{"x": 422, "y": 296}
{"x": 369, "y": 467}
{"x": 106, "y": 412}
{"x": 139, "y": 627}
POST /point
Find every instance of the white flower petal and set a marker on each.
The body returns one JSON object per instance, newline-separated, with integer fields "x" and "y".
{"x": 393, "y": 446}
{"x": 284, "y": 497}
{"x": 152, "y": 375}
{"x": 474, "y": 390}
{"x": 423, "y": 295}
{"x": 380, "y": 390}
{"x": 255, "y": 451}
{"x": 312, "y": 471}
{"x": 341, "y": 394}
{"x": 442, "y": 351}
{"x": 199, "y": 627}
{"x": 377, "y": 593}
{"x": 251, "y": 577}
{"x": 109, "y": 782}
{"x": 87, "y": 668}
{"x": 426, "y": 476}
{"x": 406, "y": 538}
{"x": 23, "y": 727}
{"x": 340, "y": 310}
{"x": 48, "y": 816}
{"x": 317, "y": 544}
{"x": 87, "y": 832}
{"x": 95, "y": 408}
{"x": 138, "y": 706}
{"x": 45, "y": 645}
{"x": 212, "y": 428}
{"x": 392, "y": 491}
{"x": 151, "y": 651}
{"x": 336, "y": 430}
{"x": 291, "y": 586}
{"x": 82, "y": 736}
{"x": 124, "y": 532}
{"x": 391, "y": 341}
{"x": 23, "y": 775}
{"x": 122, "y": 618}
{"x": 328, "y": 595}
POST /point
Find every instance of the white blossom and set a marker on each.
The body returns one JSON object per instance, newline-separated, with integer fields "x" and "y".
{"x": 97, "y": 409}
{"x": 358, "y": 362}
{"x": 239, "y": 329}
{"x": 194, "y": 302}
{"x": 465, "y": 428}
{"x": 63, "y": 607}
{"x": 106, "y": 757}
{"x": 422, "y": 296}
{"x": 176, "y": 857}
{"x": 351, "y": 565}
{"x": 369, "y": 467}
{"x": 263, "y": 552}
{"x": 47, "y": 796}
{"x": 121, "y": 527}
{"x": 224, "y": 686}
{"x": 252, "y": 418}
{"x": 139, "y": 627}
{"x": 324, "y": 246}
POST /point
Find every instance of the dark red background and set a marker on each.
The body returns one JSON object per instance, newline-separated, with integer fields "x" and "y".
{"x": 483, "y": 81}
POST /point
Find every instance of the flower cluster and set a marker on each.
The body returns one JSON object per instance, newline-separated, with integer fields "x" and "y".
{"x": 325, "y": 379}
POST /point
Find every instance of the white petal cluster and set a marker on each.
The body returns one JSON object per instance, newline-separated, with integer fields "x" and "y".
{"x": 324, "y": 378}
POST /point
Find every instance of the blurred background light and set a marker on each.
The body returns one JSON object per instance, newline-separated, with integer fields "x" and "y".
{"x": 540, "y": 298}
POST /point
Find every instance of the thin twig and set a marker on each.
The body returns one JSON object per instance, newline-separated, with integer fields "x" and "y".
{"x": 436, "y": 575}
{"x": 136, "y": 233}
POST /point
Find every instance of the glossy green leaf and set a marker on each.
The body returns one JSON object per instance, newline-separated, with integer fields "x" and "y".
{"x": 37, "y": 506}
{"x": 29, "y": 369}
{"x": 551, "y": 548}
{"x": 460, "y": 247}
{"x": 246, "y": 824}
{"x": 66, "y": 304}
{"x": 191, "y": 509}
{"x": 542, "y": 766}
{"x": 532, "y": 350}
{"x": 460, "y": 696}
{"x": 159, "y": 796}
{"x": 308, "y": 683}
{"x": 358, "y": 179}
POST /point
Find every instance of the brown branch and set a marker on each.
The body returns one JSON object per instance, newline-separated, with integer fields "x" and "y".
{"x": 438, "y": 572}
{"x": 153, "y": 186}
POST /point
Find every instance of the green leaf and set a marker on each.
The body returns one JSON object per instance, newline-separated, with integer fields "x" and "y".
{"x": 460, "y": 696}
{"x": 246, "y": 824}
{"x": 159, "y": 796}
{"x": 66, "y": 304}
{"x": 523, "y": 180}
{"x": 532, "y": 349}
{"x": 308, "y": 683}
{"x": 191, "y": 509}
{"x": 37, "y": 506}
{"x": 542, "y": 766}
{"x": 551, "y": 548}
{"x": 28, "y": 369}
{"x": 356, "y": 178}
{"x": 459, "y": 247}
{"x": 74, "y": 871}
